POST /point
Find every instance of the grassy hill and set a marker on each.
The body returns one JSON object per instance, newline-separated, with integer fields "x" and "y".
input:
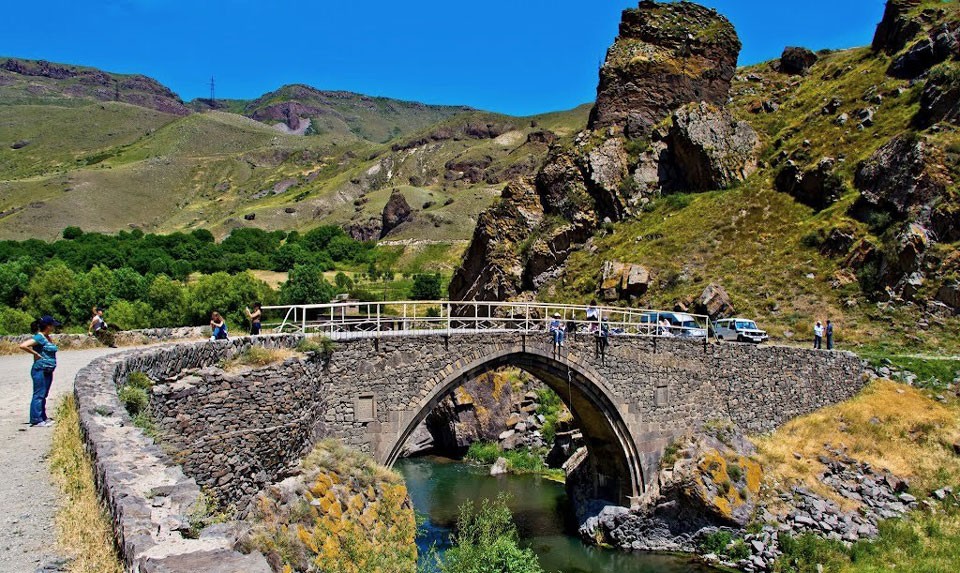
{"x": 89, "y": 159}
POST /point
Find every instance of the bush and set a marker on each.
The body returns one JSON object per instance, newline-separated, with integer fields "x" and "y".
{"x": 14, "y": 321}
{"x": 483, "y": 452}
{"x": 135, "y": 400}
{"x": 487, "y": 542}
{"x": 306, "y": 285}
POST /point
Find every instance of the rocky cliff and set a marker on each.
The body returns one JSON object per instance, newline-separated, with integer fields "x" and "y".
{"x": 658, "y": 126}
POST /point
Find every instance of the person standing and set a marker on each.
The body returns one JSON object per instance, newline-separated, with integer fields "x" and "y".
{"x": 218, "y": 327}
{"x": 254, "y": 317}
{"x": 601, "y": 339}
{"x": 593, "y": 315}
{"x": 829, "y": 335}
{"x": 818, "y": 336}
{"x": 44, "y": 353}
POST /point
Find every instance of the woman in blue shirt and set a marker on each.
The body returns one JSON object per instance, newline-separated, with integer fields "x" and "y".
{"x": 44, "y": 353}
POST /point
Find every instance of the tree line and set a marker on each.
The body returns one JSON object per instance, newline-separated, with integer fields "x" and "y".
{"x": 154, "y": 280}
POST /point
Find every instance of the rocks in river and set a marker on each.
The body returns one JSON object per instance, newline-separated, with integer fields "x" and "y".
{"x": 499, "y": 467}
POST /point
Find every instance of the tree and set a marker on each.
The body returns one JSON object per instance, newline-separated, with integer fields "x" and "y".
{"x": 225, "y": 294}
{"x": 343, "y": 282}
{"x": 49, "y": 291}
{"x": 306, "y": 285}
{"x": 426, "y": 287}
{"x": 167, "y": 298}
{"x": 71, "y": 233}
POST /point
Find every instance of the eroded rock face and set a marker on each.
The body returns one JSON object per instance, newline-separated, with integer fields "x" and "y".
{"x": 940, "y": 99}
{"x": 818, "y": 187}
{"x": 796, "y": 61}
{"x": 665, "y": 56}
{"x": 906, "y": 178}
{"x": 712, "y": 150}
{"x": 897, "y": 27}
{"x": 492, "y": 268}
{"x": 396, "y": 212}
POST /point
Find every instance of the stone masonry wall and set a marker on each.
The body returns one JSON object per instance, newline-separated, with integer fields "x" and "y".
{"x": 238, "y": 432}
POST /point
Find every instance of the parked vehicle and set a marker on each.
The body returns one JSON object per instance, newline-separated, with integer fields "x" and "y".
{"x": 739, "y": 329}
{"x": 683, "y": 325}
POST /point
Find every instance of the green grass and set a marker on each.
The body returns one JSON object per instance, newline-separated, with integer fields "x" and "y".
{"x": 519, "y": 461}
{"x": 920, "y": 543}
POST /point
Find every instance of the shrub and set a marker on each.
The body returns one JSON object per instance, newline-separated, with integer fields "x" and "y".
{"x": 735, "y": 472}
{"x": 14, "y": 321}
{"x": 134, "y": 399}
{"x": 716, "y": 542}
{"x": 483, "y": 452}
{"x": 487, "y": 541}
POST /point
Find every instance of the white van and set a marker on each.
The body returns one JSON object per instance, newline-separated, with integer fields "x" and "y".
{"x": 739, "y": 329}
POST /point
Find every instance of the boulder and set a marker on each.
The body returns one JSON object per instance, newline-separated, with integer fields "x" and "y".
{"x": 838, "y": 242}
{"x": 818, "y": 187}
{"x": 796, "y": 61}
{"x": 396, "y": 212}
{"x": 622, "y": 280}
{"x": 20, "y": 144}
{"x": 949, "y": 294}
{"x": 666, "y": 55}
{"x": 711, "y": 148}
{"x": 499, "y": 467}
{"x": 714, "y": 302}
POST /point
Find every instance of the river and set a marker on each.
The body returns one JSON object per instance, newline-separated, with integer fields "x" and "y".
{"x": 439, "y": 486}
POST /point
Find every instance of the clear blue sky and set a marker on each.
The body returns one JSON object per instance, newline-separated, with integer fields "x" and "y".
{"x": 512, "y": 56}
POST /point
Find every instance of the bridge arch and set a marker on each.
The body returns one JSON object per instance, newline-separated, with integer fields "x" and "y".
{"x": 614, "y": 464}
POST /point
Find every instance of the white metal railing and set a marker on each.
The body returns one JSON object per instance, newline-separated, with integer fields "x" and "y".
{"x": 348, "y": 320}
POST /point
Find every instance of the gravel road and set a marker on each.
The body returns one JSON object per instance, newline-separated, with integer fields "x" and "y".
{"x": 27, "y": 497}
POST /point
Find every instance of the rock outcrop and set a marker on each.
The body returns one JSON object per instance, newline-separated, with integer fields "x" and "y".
{"x": 897, "y": 27}
{"x": 396, "y": 212}
{"x": 665, "y": 56}
{"x": 711, "y": 148}
{"x": 492, "y": 267}
{"x": 940, "y": 98}
{"x": 714, "y": 302}
{"x": 818, "y": 187}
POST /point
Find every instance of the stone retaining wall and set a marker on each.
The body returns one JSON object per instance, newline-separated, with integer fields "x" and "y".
{"x": 147, "y": 494}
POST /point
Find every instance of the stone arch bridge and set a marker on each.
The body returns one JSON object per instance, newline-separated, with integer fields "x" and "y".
{"x": 236, "y": 432}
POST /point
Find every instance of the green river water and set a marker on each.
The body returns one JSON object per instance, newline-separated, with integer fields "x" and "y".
{"x": 439, "y": 486}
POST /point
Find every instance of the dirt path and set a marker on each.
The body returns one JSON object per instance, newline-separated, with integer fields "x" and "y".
{"x": 27, "y": 497}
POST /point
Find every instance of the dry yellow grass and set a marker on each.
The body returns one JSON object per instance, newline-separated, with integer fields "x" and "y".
{"x": 257, "y": 357}
{"x": 889, "y": 425}
{"x": 83, "y": 529}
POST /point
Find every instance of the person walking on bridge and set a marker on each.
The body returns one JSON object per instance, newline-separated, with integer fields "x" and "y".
{"x": 601, "y": 339}
{"x": 44, "y": 353}
{"x": 818, "y": 336}
{"x": 829, "y": 331}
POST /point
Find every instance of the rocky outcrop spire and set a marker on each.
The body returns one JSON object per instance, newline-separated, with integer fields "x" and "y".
{"x": 666, "y": 55}
{"x": 663, "y": 85}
